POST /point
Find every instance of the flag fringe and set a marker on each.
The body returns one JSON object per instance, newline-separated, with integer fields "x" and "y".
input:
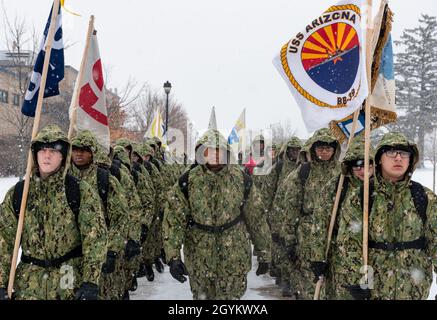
{"x": 383, "y": 37}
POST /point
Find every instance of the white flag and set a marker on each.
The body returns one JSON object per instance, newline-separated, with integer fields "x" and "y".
{"x": 212, "y": 120}
{"x": 324, "y": 65}
{"x": 91, "y": 110}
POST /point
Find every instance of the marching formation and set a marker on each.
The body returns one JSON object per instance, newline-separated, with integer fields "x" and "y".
{"x": 97, "y": 222}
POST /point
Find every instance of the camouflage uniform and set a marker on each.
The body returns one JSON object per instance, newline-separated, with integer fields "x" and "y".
{"x": 401, "y": 274}
{"x": 50, "y": 231}
{"x": 279, "y": 252}
{"x": 299, "y": 210}
{"x": 137, "y": 209}
{"x": 154, "y": 242}
{"x": 343, "y": 224}
{"x": 218, "y": 262}
{"x": 111, "y": 285}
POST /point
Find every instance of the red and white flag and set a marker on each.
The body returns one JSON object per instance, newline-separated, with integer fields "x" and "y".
{"x": 90, "y": 106}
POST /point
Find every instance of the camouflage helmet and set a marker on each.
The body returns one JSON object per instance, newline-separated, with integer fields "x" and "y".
{"x": 85, "y": 139}
{"x": 293, "y": 142}
{"x": 325, "y": 136}
{"x": 396, "y": 140}
{"x": 258, "y": 138}
{"x": 121, "y": 154}
{"x": 147, "y": 150}
{"x": 213, "y": 139}
{"x": 157, "y": 141}
{"x": 354, "y": 153}
{"x": 125, "y": 143}
{"x": 137, "y": 149}
{"x": 52, "y": 137}
{"x": 101, "y": 157}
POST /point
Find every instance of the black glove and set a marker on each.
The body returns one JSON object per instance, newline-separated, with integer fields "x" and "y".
{"x": 275, "y": 237}
{"x": 87, "y": 291}
{"x": 291, "y": 253}
{"x": 144, "y": 233}
{"x": 263, "y": 267}
{"x": 132, "y": 249}
{"x": 319, "y": 268}
{"x": 357, "y": 293}
{"x": 150, "y": 275}
{"x": 158, "y": 265}
{"x": 3, "y": 294}
{"x": 109, "y": 266}
{"x": 178, "y": 270}
{"x": 163, "y": 257}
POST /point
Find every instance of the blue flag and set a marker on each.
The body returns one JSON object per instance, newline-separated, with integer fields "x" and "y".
{"x": 55, "y": 72}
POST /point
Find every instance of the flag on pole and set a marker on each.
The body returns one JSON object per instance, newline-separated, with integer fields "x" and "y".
{"x": 55, "y": 72}
{"x": 157, "y": 127}
{"x": 91, "y": 111}
{"x": 324, "y": 65}
{"x": 382, "y": 97}
{"x": 236, "y": 137}
{"x": 212, "y": 120}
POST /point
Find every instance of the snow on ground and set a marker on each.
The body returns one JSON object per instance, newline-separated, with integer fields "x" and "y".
{"x": 164, "y": 287}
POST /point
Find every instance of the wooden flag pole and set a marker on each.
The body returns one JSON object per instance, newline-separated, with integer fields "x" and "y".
{"x": 335, "y": 207}
{"x": 76, "y": 94}
{"x": 48, "y": 50}
{"x": 367, "y": 139}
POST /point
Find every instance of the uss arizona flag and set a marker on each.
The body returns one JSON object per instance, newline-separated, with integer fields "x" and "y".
{"x": 325, "y": 65}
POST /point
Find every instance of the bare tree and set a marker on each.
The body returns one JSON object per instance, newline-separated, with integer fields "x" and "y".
{"x": 21, "y": 43}
{"x": 141, "y": 112}
{"x": 281, "y": 132}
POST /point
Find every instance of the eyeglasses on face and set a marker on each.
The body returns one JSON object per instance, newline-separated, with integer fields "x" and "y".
{"x": 394, "y": 154}
{"x": 324, "y": 148}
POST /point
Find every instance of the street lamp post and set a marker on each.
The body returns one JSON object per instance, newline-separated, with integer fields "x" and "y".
{"x": 167, "y": 88}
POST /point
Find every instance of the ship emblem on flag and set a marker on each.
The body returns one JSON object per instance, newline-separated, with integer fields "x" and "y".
{"x": 325, "y": 66}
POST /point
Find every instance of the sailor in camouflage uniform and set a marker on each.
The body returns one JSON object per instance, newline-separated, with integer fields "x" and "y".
{"x": 304, "y": 190}
{"x": 402, "y": 229}
{"x": 288, "y": 162}
{"x": 64, "y": 242}
{"x": 209, "y": 214}
{"x": 114, "y": 204}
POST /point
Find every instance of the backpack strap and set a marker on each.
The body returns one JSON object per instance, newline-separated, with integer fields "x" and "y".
{"x": 103, "y": 186}
{"x": 371, "y": 195}
{"x": 136, "y": 170}
{"x": 72, "y": 192}
{"x": 17, "y": 196}
{"x": 279, "y": 166}
{"x": 156, "y": 163}
{"x": 148, "y": 167}
{"x": 304, "y": 173}
{"x": 344, "y": 190}
{"x": 191, "y": 223}
{"x": 115, "y": 169}
{"x": 248, "y": 182}
{"x": 420, "y": 199}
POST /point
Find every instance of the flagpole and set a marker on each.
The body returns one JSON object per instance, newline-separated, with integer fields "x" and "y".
{"x": 367, "y": 139}
{"x": 48, "y": 50}
{"x": 335, "y": 207}
{"x": 76, "y": 94}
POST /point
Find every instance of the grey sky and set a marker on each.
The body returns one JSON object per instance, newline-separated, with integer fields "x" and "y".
{"x": 215, "y": 53}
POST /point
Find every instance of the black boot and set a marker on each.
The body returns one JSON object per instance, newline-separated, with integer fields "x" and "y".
{"x": 141, "y": 271}
{"x": 286, "y": 290}
{"x": 150, "y": 275}
{"x": 134, "y": 284}
{"x": 126, "y": 295}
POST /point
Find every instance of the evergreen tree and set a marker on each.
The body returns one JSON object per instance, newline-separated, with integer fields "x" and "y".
{"x": 416, "y": 81}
